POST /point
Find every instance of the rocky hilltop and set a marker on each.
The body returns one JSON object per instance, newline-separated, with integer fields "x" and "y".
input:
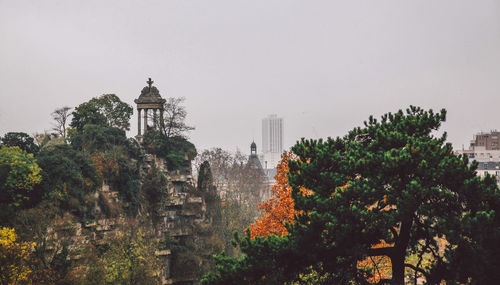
{"x": 176, "y": 221}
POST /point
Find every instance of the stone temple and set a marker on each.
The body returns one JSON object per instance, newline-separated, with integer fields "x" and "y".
{"x": 151, "y": 102}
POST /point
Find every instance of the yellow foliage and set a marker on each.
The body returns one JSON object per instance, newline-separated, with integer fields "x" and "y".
{"x": 22, "y": 174}
{"x": 7, "y": 236}
{"x": 14, "y": 258}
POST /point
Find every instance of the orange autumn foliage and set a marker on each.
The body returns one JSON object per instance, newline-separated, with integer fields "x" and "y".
{"x": 279, "y": 209}
{"x": 105, "y": 166}
{"x": 380, "y": 267}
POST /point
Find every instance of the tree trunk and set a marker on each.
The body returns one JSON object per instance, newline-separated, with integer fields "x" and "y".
{"x": 398, "y": 269}
{"x": 398, "y": 257}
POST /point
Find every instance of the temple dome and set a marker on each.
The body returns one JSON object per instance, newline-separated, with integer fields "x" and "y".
{"x": 150, "y": 95}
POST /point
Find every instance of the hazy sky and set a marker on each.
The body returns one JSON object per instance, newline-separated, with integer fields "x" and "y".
{"x": 324, "y": 66}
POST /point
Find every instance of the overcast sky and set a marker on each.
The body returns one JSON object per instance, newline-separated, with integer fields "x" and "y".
{"x": 324, "y": 66}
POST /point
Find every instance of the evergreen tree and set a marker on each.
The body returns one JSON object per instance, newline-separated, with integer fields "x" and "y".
{"x": 392, "y": 182}
{"x": 21, "y": 140}
{"x": 68, "y": 177}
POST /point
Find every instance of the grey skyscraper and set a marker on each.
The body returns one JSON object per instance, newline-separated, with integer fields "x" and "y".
{"x": 272, "y": 140}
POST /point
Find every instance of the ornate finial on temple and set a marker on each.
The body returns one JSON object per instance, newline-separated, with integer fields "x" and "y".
{"x": 150, "y": 83}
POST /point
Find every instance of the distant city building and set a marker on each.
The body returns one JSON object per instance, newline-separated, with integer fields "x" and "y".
{"x": 490, "y": 167}
{"x": 484, "y": 148}
{"x": 272, "y": 141}
{"x": 253, "y": 159}
{"x": 254, "y": 162}
{"x": 481, "y": 155}
{"x": 488, "y": 141}
{"x": 252, "y": 175}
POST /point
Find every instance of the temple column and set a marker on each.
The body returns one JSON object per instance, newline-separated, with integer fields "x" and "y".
{"x": 139, "y": 122}
{"x": 154, "y": 119}
{"x": 161, "y": 120}
{"x": 145, "y": 120}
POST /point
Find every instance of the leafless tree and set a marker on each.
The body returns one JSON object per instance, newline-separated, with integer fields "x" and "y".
{"x": 221, "y": 164}
{"x": 61, "y": 118}
{"x": 238, "y": 184}
{"x": 234, "y": 177}
{"x": 174, "y": 117}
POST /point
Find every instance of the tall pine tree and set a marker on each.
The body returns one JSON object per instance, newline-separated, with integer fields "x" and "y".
{"x": 391, "y": 182}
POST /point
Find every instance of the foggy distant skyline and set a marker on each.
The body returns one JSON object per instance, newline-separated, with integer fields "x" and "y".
{"x": 323, "y": 66}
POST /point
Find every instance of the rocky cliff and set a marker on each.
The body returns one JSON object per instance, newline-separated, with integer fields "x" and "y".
{"x": 172, "y": 211}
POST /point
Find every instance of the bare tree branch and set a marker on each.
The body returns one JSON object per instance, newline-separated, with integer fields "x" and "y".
{"x": 174, "y": 116}
{"x": 60, "y": 117}
{"x": 394, "y": 233}
{"x": 411, "y": 266}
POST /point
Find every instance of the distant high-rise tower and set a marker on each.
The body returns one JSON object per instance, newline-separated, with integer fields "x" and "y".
{"x": 272, "y": 140}
{"x": 272, "y": 134}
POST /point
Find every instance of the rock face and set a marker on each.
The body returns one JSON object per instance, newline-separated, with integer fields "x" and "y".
{"x": 177, "y": 214}
{"x": 181, "y": 213}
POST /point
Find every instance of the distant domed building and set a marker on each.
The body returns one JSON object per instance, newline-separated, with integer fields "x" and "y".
{"x": 253, "y": 159}
{"x": 267, "y": 174}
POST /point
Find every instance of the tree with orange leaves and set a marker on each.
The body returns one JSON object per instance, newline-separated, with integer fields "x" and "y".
{"x": 378, "y": 267}
{"x": 279, "y": 209}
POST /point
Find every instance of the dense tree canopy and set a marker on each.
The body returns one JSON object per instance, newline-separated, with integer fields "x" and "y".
{"x": 177, "y": 151}
{"x": 19, "y": 173}
{"x": 280, "y": 210}
{"x": 21, "y": 140}
{"x": 68, "y": 177}
{"x": 106, "y": 110}
{"x": 115, "y": 158}
{"x": 128, "y": 259}
{"x": 391, "y": 182}
{"x": 98, "y": 138}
